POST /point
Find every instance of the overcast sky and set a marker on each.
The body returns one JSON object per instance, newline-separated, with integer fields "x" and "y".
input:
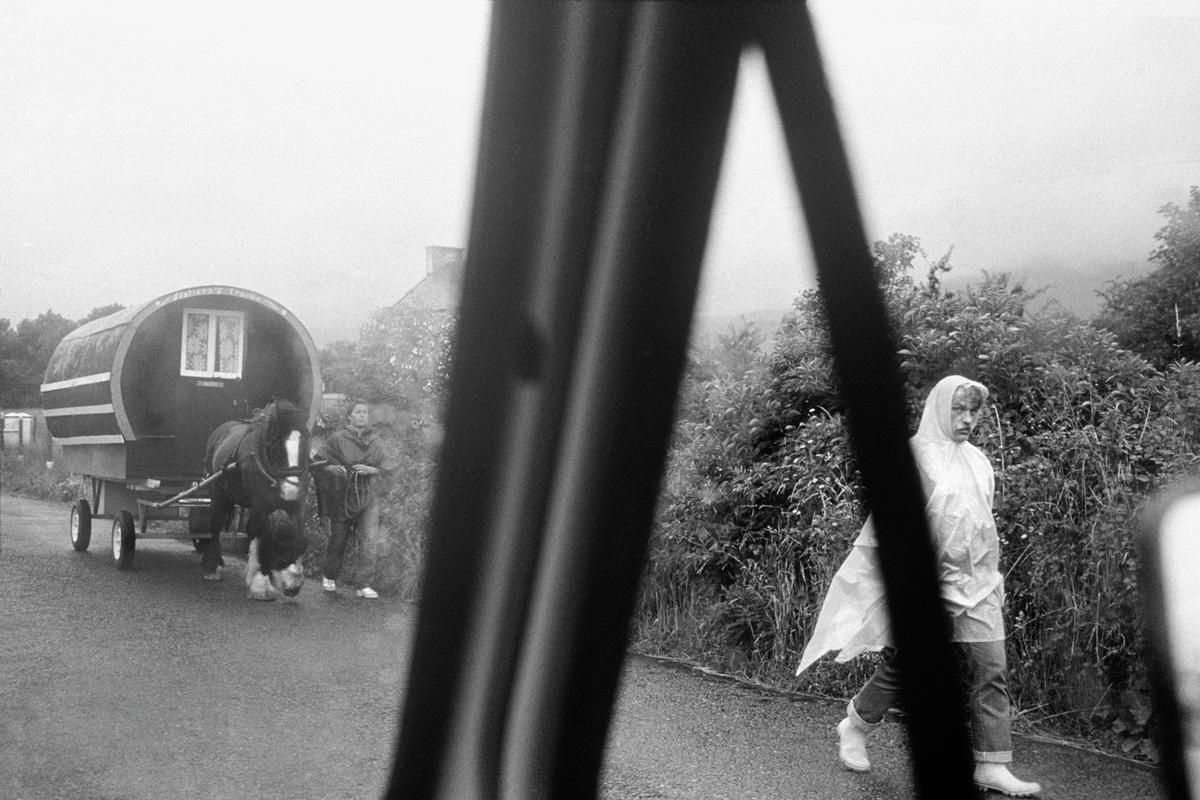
{"x": 290, "y": 147}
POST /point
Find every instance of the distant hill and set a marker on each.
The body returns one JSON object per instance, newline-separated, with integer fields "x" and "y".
{"x": 767, "y": 321}
{"x": 1077, "y": 290}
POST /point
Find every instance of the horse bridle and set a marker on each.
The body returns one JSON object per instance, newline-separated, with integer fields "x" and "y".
{"x": 290, "y": 472}
{"x": 256, "y": 459}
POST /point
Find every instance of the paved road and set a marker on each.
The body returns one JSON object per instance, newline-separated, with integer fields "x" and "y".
{"x": 679, "y": 734}
{"x": 152, "y": 684}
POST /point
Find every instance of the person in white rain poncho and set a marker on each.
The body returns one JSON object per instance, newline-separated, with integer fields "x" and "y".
{"x": 958, "y": 482}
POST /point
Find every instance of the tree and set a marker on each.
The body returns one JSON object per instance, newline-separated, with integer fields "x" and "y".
{"x": 1158, "y": 316}
{"x": 102, "y": 311}
{"x": 339, "y": 361}
{"x": 25, "y": 351}
{"x": 11, "y": 366}
{"x": 400, "y": 364}
{"x": 25, "y": 354}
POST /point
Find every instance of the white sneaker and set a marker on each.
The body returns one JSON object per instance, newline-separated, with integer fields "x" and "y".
{"x": 328, "y": 585}
{"x": 368, "y": 593}
{"x": 998, "y": 778}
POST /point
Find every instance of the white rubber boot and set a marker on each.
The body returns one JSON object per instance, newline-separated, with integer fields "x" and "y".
{"x": 998, "y": 778}
{"x": 852, "y": 740}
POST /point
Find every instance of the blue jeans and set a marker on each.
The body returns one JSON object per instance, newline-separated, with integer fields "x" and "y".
{"x": 365, "y": 527}
{"x": 984, "y": 669}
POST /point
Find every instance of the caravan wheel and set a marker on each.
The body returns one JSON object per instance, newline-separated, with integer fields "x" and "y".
{"x": 81, "y": 525}
{"x": 122, "y": 539}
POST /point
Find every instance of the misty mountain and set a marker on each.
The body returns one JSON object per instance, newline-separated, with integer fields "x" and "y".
{"x": 1077, "y": 290}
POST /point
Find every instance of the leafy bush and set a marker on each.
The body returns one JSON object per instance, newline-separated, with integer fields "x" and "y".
{"x": 762, "y": 497}
{"x": 28, "y": 474}
{"x": 399, "y": 365}
{"x": 25, "y": 350}
{"x": 1158, "y": 315}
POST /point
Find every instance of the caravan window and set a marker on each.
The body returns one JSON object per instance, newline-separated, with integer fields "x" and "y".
{"x": 212, "y": 343}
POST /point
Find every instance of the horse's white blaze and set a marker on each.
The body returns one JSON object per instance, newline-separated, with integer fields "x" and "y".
{"x": 290, "y": 490}
{"x": 292, "y": 445}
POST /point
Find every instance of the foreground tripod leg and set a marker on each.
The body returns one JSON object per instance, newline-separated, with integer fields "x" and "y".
{"x": 867, "y": 369}
{"x": 671, "y": 136}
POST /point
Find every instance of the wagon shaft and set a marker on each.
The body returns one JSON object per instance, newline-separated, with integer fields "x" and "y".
{"x": 193, "y": 490}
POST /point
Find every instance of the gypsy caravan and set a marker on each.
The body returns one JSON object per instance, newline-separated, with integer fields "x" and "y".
{"x": 132, "y": 398}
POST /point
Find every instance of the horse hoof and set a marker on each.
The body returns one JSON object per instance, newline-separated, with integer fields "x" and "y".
{"x": 269, "y": 596}
{"x": 211, "y": 576}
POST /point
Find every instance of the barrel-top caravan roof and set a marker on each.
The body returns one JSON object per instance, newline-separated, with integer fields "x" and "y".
{"x": 122, "y": 377}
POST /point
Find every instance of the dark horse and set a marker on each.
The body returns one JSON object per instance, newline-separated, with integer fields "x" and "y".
{"x": 263, "y": 466}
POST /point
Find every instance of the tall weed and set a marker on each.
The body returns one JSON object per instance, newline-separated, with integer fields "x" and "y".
{"x": 399, "y": 365}
{"x": 29, "y": 474}
{"x": 761, "y": 500}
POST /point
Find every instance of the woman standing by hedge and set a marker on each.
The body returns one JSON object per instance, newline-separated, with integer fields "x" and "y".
{"x": 349, "y": 493}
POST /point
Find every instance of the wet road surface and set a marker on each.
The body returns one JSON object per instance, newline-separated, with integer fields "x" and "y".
{"x": 152, "y": 683}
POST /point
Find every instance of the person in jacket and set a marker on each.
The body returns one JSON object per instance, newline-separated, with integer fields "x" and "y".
{"x": 348, "y": 487}
{"x": 958, "y": 482}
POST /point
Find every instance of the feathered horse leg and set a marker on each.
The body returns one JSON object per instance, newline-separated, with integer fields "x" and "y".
{"x": 258, "y": 584}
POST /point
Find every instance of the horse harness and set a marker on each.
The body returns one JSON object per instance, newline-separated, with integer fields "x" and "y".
{"x": 255, "y": 426}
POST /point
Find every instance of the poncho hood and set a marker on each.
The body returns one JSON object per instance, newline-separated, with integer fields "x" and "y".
{"x": 935, "y": 424}
{"x": 934, "y": 446}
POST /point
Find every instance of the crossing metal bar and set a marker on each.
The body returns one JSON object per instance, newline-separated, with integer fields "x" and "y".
{"x": 871, "y": 387}
{"x": 189, "y": 492}
{"x": 651, "y": 234}
{"x": 492, "y": 344}
{"x": 603, "y": 130}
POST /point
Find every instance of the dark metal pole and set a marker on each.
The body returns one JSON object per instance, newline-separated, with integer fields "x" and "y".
{"x": 593, "y": 40}
{"x": 489, "y": 341}
{"x": 570, "y": 349}
{"x": 659, "y": 195}
{"x": 867, "y": 368}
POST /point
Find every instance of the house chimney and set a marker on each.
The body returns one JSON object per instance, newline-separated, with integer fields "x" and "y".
{"x": 438, "y": 257}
